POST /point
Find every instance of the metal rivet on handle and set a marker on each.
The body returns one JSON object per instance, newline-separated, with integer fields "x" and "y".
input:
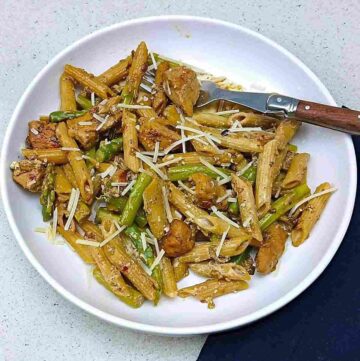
{"x": 307, "y": 107}
{"x": 279, "y": 99}
{"x": 359, "y": 116}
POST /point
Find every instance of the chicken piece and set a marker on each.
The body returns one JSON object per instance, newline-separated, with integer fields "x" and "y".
{"x": 85, "y": 135}
{"x": 182, "y": 87}
{"x": 207, "y": 192}
{"x": 272, "y": 249}
{"x": 42, "y": 135}
{"x": 29, "y": 174}
{"x": 151, "y": 131}
{"x": 178, "y": 240}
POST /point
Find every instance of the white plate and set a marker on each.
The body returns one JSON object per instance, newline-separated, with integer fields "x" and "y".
{"x": 224, "y": 49}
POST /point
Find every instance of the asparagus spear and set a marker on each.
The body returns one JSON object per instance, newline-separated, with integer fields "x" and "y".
{"x": 59, "y": 116}
{"x": 244, "y": 259}
{"x": 107, "y": 150}
{"x": 135, "y": 199}
{"x": 250, "y": 174}
{"x": 47, "y": 197}
{"x": 284, "y": 204}
{"x": 84, "y": 102}
{"x": 183, "y": 172}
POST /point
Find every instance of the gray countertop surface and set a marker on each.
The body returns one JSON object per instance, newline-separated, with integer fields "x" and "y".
{"x": 36, "y": 323}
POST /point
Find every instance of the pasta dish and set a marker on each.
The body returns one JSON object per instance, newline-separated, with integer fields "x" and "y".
{"x": 146, "y": 187}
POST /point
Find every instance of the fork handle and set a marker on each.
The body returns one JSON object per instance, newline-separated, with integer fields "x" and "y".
{"x": 342, "y": 119}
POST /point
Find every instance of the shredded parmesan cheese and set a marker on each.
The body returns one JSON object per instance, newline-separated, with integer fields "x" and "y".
{"x": 99, "y": 118}
{"x": 113, "y": 235}
{"x": 153, "y": 166}
{"x": 73, "y": 209}
{"x": 129, "y": 186}
{"x": 226, "y": 112}
{"x": 235, "y": 125}
{"x": 108, "y": 172}
{"x": 119, "y": 184}
{"x": 307, "y": 199}
{"x": 71, "y": 199}
{"x": 224, "y": 181}
{"x": 277, "y": 194}
{"x": 54, "y": 222}
{"x": 69, "y": 149}
{"x": 132, "y": 106}
{"x": 243, "y": 170}
{"x": 34, "y": 131}
{"x": 171, "y": 161}
{"x": 86, "y": 242}
{"x": 85, "y": 123}
{"x": 232, "y": 200}
{"x": 226, "y": 195}
{"x": 143, "y": 240}
{"x": 167, "y": 205}
{"x": 224, "y": 218}
{"x": 160, "y": 154}
{"x": 153, "y": 59}
{"x": 248, "y": 129}
{"x": 92, "y": 96}
{"x": 223, "y": 237}
{"x": 102, "y": 123}
{"x": 180, "y": 141}
{"x": 247, "y": 222}
{"x": 214, "y": 169}
{"x": 184, "y": 186}
{"x": 157, "y": 259}
{"x": 156, "y": 152}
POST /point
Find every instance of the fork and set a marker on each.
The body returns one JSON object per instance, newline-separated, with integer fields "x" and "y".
{"x": 341, "y": 119}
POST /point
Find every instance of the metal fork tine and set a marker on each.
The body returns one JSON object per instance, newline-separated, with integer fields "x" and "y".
{"x": 149, "y": 78}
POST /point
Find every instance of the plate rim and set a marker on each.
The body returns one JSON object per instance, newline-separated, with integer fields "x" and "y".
{"x": 188, "y": 330}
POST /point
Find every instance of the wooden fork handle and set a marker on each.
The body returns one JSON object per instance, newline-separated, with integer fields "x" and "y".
{"x": 343, "y": 119}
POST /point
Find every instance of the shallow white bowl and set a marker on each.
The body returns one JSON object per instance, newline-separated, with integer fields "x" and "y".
{"x": 223, "y": 49}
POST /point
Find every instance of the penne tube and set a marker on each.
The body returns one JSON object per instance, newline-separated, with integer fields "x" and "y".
{"x": 159, "y": 100}
{"x": 181, "y": 270}
{"x": 247, "y": 207}
{"x": 168, "y": 277}
{"x": 296, "y": 173}
{"x": 208, "y": 290}
{"x": 115, "y": 281}
{"x": 255, "y": 120}
{"x": 83, "y": 251}
{"x": 272, "y": 249}
{"x": 136, "y": 72}
{"x": 69, "y": 173}
{"x": 51, "y": 155}
{"x": 225, "y": 271}
{"x": 285, "y": 132}
{"x": 171, "y": 116}
{"x": 201, "y": 218}
{"x": 78, "y": 165}
{"x": 212, "y": 120}
{"x": 203, "y": 251}
{"x": 154, "y": 208}
{"x": 128, "y": 294}
{"x": 264, "y": 178}
{"x": 67, "y": 93}
{"x": 130, "y": 141}
{"x": 62, "y": 184}
{"x": 310, "y": 216}
{"x": 116, "y": 73}
{"x": 88, "y": 81}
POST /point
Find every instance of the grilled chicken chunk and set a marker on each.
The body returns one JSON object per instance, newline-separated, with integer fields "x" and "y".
{"x": 42, "y": 135}
{"x": 178, "y": 240}
{"x": 182, "y": 87}
{"x": 29, "y": 174}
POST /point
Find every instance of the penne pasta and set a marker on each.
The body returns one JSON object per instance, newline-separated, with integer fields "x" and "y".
{"x": 310, "y": 216}
{"x": 51, "y": 155}
{"x": 272, "y": 249}
{"x": 285, "y": 132}
{"x": 264, "y": 177}
{"x": 62, "y": 184}
{"x": 247, "y": 207}
{"x": 89, "y": 81}
{"x": 154, "y": 208}
{"x": 297, "y": 171}
{"x": 116, "y": 73}
{"x": 181, "y": 270}
{"x": 83, "y": 251}
{"x": 130, "y": 141}
{"x": 78, "y": 165}
{"x": 225, "y": 271}
{"x": 168, "y": 277}
{"x": 159, "y": 100}
{"x": 208, "y": 290}
{"x": 212, "y": 120}
{"x": 67, "y": 93}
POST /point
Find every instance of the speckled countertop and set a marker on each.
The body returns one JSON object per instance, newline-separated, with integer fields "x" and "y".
{"x": 35, "y": 322}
